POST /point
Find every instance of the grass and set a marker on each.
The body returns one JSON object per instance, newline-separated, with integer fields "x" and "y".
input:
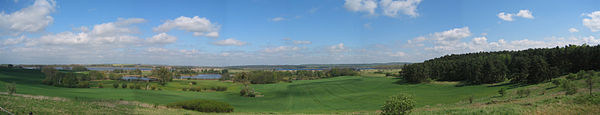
{"x": 332, "y": 95}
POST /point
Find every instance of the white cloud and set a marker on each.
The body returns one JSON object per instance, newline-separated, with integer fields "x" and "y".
{"x": 525, "y": 14}
{"x": 505, "y": 16}
{"x": 407, "y": 7}
{"x": 280, "y": 49}
{"x": 301, "y": 42}
{"x": 277, "y": 19}
{"x": 13, "y": 41}
{"x": 361, "y": 6}
{"x": 337, "y": 48}
{"x": 34, "y": 18}
{"x": 593, "y": 22}
{"x": 509, "y": 16}
{"x": 573, "y": 30}
{"x": 480, "y": 40}
{"x": 162, "y": 38}
{"x": 397, "y": 54}
{"x": 199, "y": 26}
{"x": 121, "y": 26}
{"x": 230, "y": 42}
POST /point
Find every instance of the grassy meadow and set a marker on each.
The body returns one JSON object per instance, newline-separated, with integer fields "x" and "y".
{"x": 331, "y": 95}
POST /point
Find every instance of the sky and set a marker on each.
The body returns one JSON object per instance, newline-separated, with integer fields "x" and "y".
{"x": 268, "y": 32}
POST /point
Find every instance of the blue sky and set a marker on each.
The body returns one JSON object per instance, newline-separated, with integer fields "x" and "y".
{"x": 240, "y": 32}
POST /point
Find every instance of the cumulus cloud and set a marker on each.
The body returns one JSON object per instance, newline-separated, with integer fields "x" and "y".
{"x": 361, "y": 6}
{"x": 13, "y": 41}
{"x": 337, "y": 48}
{"x": 230, "y": 42}
{"x": 280, "y": 49}
{"x": 121, "y": 26}
{"x": 525, "y": 14}
{"x": 445, "y": 37}
{"x": 573, "y": 30}
{"x": 277, "y": 19}
{"x": 162, "y": 38}
{"x": 198, "y": 26}
{"x": 301, "y": 42}
{"x": 34, "y": 18}
{"x": 593, "y": 21}
{"x": 505, "y": 16}
{"x": 397, "y": 54}
{"x": 407, "y": 7}
{"x": 509, "y": 16}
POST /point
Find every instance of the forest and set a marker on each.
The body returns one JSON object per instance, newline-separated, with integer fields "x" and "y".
{"x": 527, "y": 66}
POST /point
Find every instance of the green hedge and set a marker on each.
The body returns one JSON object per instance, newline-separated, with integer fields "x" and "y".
{"x": 203, "y": 106}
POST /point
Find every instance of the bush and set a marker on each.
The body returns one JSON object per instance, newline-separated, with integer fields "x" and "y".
{"x": 131, "y": 86}
{"x": 184, "y": 89}
{"x": 193, "y": 83}
{"x": 398, "y": 105}
{"x": 203, "y": 106}
{"x": 588, "y": 99}
{"x": 219, "y": 88}
{"x": 100, "y": 85}
{"x": 523, "y": 92}
{"x": 153, "y": 87}
{"x": 502, "y": 91}
{"x": 115, "y": 85}
{"x": 124, "y": 85}
{"x": 12, "y": 88}
{"x": 83, "y": 84}
{"x": 572, "y": 76}
{"x": 569, "y": 87}
{"x": 557, "y": 82}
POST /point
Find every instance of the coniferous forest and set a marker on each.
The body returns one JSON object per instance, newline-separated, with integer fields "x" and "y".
{"x": 527, "y": 66}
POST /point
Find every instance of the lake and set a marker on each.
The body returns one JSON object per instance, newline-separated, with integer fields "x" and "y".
{"x": 203, "y": 76}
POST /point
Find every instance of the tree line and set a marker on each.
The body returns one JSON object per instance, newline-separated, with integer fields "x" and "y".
{"x": 266, "y": 77}
{"x": 527, "y": 66}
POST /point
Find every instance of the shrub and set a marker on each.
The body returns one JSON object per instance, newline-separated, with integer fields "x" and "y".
{"x": 219, "y": 88}
{"x": 83, "y": 84}
{"x": 502, "y": 91}
{"x": 203, "y": 106}
{"x": 557, "y": 82}
{"x": 115, "y": 85}
{"x": 100, "y": 85}
{"x": 131, "y": 86}
{"x": 153, "y": 87}
{"x": 193, "y": 82}
{"x": 523, "y": 92}
{"x": 572, "y": 76}
{"x": 588, "y": 99}
{"x": 569, "y": 87}
{"x": 124, "y": 85}
{"x": 184, "y": 89}
{"x": 398, "y": 105}
{"x": 12, "y": 88}
{"x": 138, "y": 86}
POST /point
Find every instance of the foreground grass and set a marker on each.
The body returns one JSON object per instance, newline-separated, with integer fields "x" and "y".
{"x": 24, "y": 104}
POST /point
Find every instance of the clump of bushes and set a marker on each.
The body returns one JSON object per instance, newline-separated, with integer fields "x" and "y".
{"x": 193, "y": 83}
{"x": 203, "y": 106}
{"x": 588, "y": 99}
{"x": 153, "y": 87}
{"x": 219, "y": 88}
{"x": 502, "y": 91}
{"x": 400, "y": 104}
{"x": 12, "y": 88}
{"x": 569, "y": 87}
{"x": 523, "y": 92}
{"x": 115, "y": 85}
{"x": 124, "y": 85}
{"x": 247, "y": 91}
{"x": 100, "y": 85}
{"x": 83, "y": 84}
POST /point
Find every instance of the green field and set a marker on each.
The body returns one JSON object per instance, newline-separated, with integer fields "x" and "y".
{"x": 339, "y": 94}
